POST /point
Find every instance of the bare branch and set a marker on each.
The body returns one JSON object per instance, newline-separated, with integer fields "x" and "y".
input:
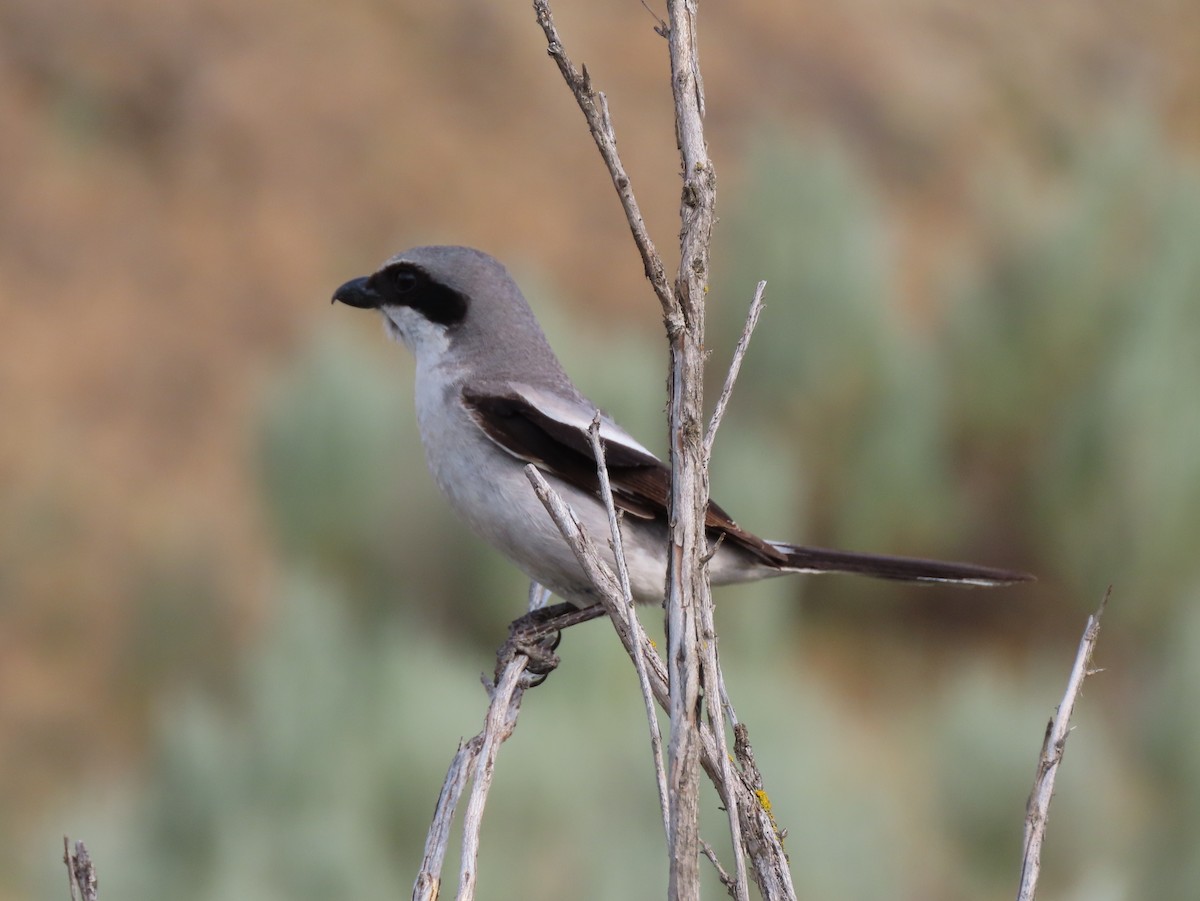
{"x": 429, "y": 878}
{"x": 606, "y": 583}
{"x": 595, "y": 111}
{"x": 688, "y": 589}
{"x": 81, "y": 873}
{"x": 501, "y": 720}
{"x": 728, "y": 881}
{"x": 636, "y": 652}
{"x": 1037, "y": 811}
{"x": 505, "y": 704}
{"x": 745, "y": 792}
{"x": 714, "y": 689}
{"x": 735, "y": 367}
{"x": 762, "y": 835}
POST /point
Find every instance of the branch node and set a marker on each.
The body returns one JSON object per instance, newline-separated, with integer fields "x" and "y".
{"x": 661, "y": 28}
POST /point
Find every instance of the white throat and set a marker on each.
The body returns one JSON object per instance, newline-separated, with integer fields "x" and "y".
{"x": 427, "y": 341}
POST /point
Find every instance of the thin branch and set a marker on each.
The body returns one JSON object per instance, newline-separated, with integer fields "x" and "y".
{"x": 728, "y": 881}
{"x": 660, "y": 27}
{"x": 602, "y": 578}
{"x": 429, "y": 878}
{"x": 714, "y": 689}
{"x": 719, "y": 705}
{"x": 595, "y": 111}
{"x": 501, "y": 720}
{"x": 639, "y": 657}
{"x": 763, "y": 837}
{"x": 1037, "y": 811}
{"x": 745, "y": 792}
{"x": 81, "y": 873}
{"x": 735, "y": 367}
{"x": 505, "y": 694}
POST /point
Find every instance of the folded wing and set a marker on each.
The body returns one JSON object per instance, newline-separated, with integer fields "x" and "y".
{"x": 551, "y": 432}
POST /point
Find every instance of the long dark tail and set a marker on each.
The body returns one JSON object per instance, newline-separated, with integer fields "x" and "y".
{"x": 905, "y": 569}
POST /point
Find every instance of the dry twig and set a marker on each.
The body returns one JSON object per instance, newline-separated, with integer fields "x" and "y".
{"x": 1037, "y": 811}
{"x": 595, "y": 111}
{"x": 740, "y": 789}
{"x": 81, "y": 873}
{"x": 637, "y": 650}
{"x": 501, "y": 720}
{"x": 689, "y": 594}
{"x": 735, "y": 367}
{"x": 476, "y": 760}
{"x": 429, "y": 878}
{"x": 712, "y": 676}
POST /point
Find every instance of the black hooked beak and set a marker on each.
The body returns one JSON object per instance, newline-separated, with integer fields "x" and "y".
{"x": 359, "y": 293}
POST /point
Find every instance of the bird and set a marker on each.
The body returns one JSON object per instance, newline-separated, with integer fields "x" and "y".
{"x": 492, "y": 397}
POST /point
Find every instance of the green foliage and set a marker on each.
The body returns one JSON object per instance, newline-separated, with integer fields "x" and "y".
{"x": 337, "y": 435}
{"x": 1074, "y": 351}
{"x": 337, "y": 442}
{"x": 1045, "y": 421}
{"x": 1168, "y": 735}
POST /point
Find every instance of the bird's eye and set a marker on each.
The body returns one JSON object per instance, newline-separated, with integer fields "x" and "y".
{"x": 403, "y": 281}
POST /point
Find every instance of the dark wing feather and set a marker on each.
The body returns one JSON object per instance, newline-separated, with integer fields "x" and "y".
{"x": 641, "y": 483}
{"x": 641, "y": 486}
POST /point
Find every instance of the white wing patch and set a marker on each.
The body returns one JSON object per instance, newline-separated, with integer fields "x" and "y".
{"x": 580, "y": 416}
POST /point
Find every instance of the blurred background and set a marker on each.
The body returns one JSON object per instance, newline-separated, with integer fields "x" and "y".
{"x": 239, "y": 633}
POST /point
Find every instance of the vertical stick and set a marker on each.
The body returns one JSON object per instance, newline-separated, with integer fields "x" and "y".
{"x": 687, "y": 576}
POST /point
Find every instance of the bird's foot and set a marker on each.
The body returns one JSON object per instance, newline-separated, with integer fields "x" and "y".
{"x": 536, "y": 635}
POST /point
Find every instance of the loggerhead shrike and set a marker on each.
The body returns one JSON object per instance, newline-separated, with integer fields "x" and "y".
{"x": 492, "y": 398}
